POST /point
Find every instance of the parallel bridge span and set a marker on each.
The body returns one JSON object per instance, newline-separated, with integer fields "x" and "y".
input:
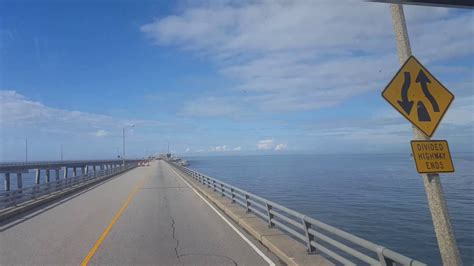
{"x": 17, "y": 168}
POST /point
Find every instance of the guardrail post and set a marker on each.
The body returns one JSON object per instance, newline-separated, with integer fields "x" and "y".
{"x": 309, "y": 237}
{"x": 384, "y": 261}
{"x": 232, "y": 196}
{"x": 222, "y": 190}
{"x": 7, "y": 182}
{"x": 269, "y": 215}
{"x": 247, "y": 203}
{"x": 213, "y": 185}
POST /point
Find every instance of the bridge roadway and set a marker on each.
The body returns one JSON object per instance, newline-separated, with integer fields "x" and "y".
{"x": 148, "y": 215}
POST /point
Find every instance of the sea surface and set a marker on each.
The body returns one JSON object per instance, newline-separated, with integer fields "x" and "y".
{"x": 380, "y": 198}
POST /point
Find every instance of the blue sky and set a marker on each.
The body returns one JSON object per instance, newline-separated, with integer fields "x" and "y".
{"x": 219, "y": 77}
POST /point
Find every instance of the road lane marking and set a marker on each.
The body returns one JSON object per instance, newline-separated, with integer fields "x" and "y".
{"x": 259, "y": 252}
{"x": 117, "y": 216}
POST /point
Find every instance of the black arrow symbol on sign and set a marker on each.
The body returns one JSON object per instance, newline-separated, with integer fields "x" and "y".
{"x": 424, "y": 80}
{"x": 405, "y": 103}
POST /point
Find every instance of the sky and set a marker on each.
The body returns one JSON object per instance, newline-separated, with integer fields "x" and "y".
{"x": 220, "y": 77}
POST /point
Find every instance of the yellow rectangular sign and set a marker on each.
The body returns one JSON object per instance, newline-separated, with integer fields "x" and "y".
{"x": 432, "y": 156}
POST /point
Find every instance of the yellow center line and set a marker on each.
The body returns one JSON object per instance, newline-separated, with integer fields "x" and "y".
{"x": 107, "y": 230}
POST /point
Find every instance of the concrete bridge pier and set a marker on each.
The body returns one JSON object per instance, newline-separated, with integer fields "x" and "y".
{"x": 47, "y": 176}
{"x": 65, "y": 172}
{"x": 74, "y": 171}
{"x": 38, "y": 176}
{"x": 57, "y": 173}
{"x": 7, "y": 181}
{"x": 19, "y": 180}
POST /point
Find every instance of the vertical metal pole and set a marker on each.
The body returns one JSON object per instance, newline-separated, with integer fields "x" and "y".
{"x": 26, "y": 150}
{"x": 434, "y": 191}
{"x": 309, "y": 237}
{"x": 247, "y": 203}
{"x": 123, "y": 146}
{"x": 7, "y": 182}
{"x": 269, "y": 215}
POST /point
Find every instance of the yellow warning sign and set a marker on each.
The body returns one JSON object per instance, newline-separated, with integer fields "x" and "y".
{"x": 432, "y": 156}
{"x": 418, "y": 96}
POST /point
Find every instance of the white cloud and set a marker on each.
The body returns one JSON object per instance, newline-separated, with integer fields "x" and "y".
{"x": 224, "y": 148}
{"x": 266, "y": 144}
{"x": 303, "y": 55}
{"x": 219, "y": 148}
{"x": 101, "y": 133}
{"x": 280, "y": 147}
{"x": 18, "y": 111}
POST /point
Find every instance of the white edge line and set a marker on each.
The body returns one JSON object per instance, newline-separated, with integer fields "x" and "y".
{"x": 268, "y": 260}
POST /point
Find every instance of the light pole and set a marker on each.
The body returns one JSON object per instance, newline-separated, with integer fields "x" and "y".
{"x": 123, "y": 144}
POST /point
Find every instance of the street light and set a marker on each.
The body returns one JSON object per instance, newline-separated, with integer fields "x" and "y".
{"x": 123, "y": 143}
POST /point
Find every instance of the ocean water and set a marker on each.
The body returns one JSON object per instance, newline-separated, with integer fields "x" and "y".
{"x": 380, "y": 198}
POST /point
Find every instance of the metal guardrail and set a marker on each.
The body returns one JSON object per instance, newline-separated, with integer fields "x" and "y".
{"x": 12, "y": 198}
{"x": 336, "y": 244}
{"x": 11, "y": 166}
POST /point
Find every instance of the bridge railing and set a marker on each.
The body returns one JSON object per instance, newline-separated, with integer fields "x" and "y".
{"x": 15, "y": 197}
{"x": 336, "y": 244}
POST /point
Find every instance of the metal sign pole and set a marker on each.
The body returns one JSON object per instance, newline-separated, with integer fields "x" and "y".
{"x": 434, "y": 191}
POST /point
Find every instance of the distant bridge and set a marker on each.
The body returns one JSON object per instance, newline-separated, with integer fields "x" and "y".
{"x": 20, "y": 168}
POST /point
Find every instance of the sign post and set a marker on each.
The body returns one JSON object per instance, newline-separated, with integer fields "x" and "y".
{"x": 434, "y": 191}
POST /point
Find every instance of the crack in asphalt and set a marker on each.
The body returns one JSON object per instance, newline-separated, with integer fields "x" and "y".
{"x": 176, "y": 248}
{"x": 174, "y": 237}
